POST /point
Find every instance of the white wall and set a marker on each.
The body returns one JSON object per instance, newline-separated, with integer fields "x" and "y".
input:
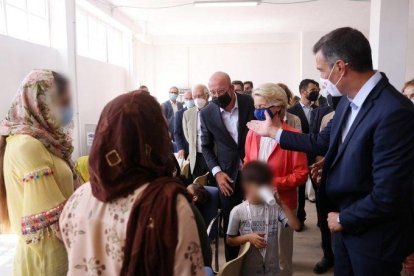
{"x": 409, "y": 73}
{"x": 18, "y": 57}
{"x": 98, "y": 83}
{"x": 184, "y": 61}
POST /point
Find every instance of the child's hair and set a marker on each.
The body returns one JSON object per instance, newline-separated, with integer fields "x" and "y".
{"x": 257, "y": 172}
{"x": 203, "y": 196}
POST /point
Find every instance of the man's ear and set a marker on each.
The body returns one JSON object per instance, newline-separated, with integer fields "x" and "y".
{"x": 195, "y": 198}
{"x": 342, "y": 67}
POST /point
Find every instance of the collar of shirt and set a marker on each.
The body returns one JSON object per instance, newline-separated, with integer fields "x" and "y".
{"x": 236, "y": 106}
{"x": 304, "y": 106}
{"x": 173, "y": 103}
{"x": 363, "y": 93}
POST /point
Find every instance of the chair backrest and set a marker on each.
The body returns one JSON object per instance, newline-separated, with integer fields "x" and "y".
{"x": 233, "y": 268}
{"x": 185, "y": 169}
{"x": 202, "y": 179}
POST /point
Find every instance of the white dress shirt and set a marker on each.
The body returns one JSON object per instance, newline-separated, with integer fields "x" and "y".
{"x": 355, "y": 103}
{"x": 199, "y": 148}
{"x": 267, "y": 145}
{"x": 174, "y": 106}
{"x": 231, "y": 122}
{"x": 307, "y": 110}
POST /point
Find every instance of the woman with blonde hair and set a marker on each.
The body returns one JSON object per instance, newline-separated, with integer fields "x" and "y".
{"x": 289, "y": 167}
{"x": 36, "y": 172}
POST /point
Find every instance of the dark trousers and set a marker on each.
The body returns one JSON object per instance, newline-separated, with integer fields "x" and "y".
{"x": 326, "y": 236}
{"x": 353, "y": 263}
{"x": 227, "y": 204}
{"x": 201, "y": 168}
{"x": 301, "y": 213}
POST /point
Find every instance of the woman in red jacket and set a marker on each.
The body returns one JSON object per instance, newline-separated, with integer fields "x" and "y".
{"x": 289, "y": 167}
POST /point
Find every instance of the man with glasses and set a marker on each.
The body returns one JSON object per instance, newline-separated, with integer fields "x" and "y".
{"x": 223, "y": 127}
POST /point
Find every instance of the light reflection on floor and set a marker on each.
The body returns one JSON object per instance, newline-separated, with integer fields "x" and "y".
{"x": 7, "y": 248}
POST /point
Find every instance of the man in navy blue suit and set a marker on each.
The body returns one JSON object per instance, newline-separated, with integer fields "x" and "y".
{"x": 224, "y": 131}
{"x": 367, "y": 178}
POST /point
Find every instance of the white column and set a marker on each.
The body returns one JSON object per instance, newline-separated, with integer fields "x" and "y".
{"x": 388, "y": 37}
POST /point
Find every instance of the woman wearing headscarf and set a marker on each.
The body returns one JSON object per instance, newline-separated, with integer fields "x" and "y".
{"x": 36, "y": 172}
{"x": 134, "y": 217}
{"x": 290, "y": 168}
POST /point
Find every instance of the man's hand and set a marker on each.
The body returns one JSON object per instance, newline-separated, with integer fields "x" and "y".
{"x": 181, "y": 154}
{"x": 266, "y": 128}
{"x": 257, "y": 240}
{"x": 224, "y": 182}
{"x": 316, "y": 171}
{"x": 333, "y": 223}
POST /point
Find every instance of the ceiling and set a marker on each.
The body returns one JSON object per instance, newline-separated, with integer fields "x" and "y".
{"x": 187, "y": 19}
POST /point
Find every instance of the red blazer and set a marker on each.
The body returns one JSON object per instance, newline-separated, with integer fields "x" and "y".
{"x": 290, "y": 168}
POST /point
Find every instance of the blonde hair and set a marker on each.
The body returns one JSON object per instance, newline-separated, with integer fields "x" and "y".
{"x": 274, "y": 95}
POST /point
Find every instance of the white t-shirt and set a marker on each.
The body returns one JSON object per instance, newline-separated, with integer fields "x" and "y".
{"x": 239, "y": 223}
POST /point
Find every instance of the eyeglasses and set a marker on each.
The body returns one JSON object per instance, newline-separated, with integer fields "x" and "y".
{"x": 217, "y": 93}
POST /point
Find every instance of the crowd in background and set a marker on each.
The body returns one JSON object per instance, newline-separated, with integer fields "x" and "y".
{"x": 135, "y": 215}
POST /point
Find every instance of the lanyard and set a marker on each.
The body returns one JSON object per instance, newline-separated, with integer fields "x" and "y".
{"x": 266, "y": 231}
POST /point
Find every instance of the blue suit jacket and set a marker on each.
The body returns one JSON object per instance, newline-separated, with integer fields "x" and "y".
{"x": 219, "y": 148}
{"x": 179, "y": 137}
{"x": 168, "y": 112}
{"x": 369, "y": 178}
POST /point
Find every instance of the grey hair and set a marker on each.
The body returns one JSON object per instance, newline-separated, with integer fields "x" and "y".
{"x": 201, "y": 86}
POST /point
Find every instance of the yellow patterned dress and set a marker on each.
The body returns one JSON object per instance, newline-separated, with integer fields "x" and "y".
{"x": 38, "y": 184}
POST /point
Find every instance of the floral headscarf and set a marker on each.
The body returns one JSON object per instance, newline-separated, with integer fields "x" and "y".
{"x": 34, "y": 113}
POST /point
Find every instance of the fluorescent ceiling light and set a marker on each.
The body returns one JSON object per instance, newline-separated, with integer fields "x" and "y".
{"x": 230, "y": 3}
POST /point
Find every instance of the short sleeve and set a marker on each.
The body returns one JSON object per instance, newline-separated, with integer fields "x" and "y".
{"x": 234, "y": 223}
{"x": 42, "y": 199}
{"x": 282, "y": 217}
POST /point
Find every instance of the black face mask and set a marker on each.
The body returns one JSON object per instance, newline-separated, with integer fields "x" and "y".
{"x": 222, "y": 101}
{"x": 313, "y": 96}
{"x": 335, "y": 102}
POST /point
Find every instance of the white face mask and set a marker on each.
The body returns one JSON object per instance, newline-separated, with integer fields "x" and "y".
{"x": 189, "y": 103}
{"x": 200, "y": 102}
{"x": 329, "y": 86}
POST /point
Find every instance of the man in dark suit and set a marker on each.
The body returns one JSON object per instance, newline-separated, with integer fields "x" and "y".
{"x": 170, "y": 107}
{"x": 180, "y": 141}
{"x": 309, "y": 93}
{"x": 367, "y": 177}
{"x": 224, "y": 130}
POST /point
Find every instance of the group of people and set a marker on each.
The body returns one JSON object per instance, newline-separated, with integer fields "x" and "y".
{"x": 135, "y": 216}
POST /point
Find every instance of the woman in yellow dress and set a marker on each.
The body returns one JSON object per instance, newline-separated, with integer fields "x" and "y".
{"x": 36, "y": 172}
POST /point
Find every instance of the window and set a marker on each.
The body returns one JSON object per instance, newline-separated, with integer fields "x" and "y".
{"x": 26, "y": 19}
{"x": 99, "y": 40}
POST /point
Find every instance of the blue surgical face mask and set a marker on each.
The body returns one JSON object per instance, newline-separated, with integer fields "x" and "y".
{"x": 173, "y": 96}
{"x": 189, "y": 103}
{"x": 259, "y": 113}
{"x": 66, "y": 115}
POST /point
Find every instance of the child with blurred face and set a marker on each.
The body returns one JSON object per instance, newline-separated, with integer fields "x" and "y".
{"x": 257, "y": 222}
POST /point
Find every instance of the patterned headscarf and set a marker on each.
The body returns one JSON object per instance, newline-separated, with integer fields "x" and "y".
{"x": 34, "y": 112}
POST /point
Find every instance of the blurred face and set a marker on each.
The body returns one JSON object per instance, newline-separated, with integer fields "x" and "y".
{"x": 261, "y": 102}
{"x": 173, "y": 94}
{"x": 251, "y": 190}
{"x": 409, "y": 92}
{"x": 248, "y": 87}
{"x": 65, "y": 98}
{"x": 238, "y": 88}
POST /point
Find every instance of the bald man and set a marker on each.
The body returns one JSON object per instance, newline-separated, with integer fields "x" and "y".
{"x": 223, "y": 127}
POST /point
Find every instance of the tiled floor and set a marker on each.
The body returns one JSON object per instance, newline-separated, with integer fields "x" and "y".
{"x": 306, "y": 248}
